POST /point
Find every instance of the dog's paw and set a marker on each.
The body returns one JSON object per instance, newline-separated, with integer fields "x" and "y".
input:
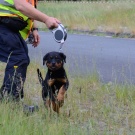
{"x": 55, "y": 107}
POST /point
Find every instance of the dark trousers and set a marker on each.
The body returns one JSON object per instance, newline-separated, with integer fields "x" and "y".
{"x": 13, "y": 51}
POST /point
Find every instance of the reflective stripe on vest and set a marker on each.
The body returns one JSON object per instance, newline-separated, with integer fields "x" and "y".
{"x": 7, "y": 8}
{"x": 26, "y": 31}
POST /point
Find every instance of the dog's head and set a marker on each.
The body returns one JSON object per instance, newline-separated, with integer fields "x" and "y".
{"x": 54, "y": 60}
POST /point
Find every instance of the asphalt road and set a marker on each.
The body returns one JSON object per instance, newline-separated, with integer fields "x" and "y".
{"x": 112, "y": 58}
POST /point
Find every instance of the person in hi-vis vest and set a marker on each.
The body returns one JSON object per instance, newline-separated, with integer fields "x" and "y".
{"x": 16, "y": 22}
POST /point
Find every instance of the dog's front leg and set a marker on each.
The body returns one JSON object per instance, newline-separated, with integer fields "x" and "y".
{"x": 60, "y": 96}
{"x": 47, "y": 103}
{"x": 61, "y": 93}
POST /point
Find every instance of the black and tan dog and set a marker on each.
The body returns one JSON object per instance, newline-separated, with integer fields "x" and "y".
{"x": 56, "y": 82}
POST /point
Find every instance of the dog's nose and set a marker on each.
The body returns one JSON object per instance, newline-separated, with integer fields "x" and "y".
{"x": 53, "y": 62}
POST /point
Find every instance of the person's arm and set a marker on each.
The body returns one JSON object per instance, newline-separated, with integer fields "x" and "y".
{"x": 34, "y": 24}
{"x": 28, "y": 10}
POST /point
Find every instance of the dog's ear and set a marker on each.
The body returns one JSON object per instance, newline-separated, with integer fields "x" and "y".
{"x": 45, "y": 58}
{"x": 63, "y": 57}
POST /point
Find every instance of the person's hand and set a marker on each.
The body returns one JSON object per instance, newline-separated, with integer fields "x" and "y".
{"x": 36, "y": 38}
{"x": 52, "y": 22}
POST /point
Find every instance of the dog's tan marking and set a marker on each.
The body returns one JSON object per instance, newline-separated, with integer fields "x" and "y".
{"x": 52, "y": 81}
{"x": 61, "y": 93}
{"x": 55, "y": 107}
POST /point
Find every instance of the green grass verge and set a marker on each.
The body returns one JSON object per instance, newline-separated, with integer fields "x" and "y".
{"x": 90, "y": 108}
{"x": 117, "y": 17}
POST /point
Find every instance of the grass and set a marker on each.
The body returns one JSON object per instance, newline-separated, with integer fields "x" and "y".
{"x": 116, "y": 17}
{"x": 91, "y": 108}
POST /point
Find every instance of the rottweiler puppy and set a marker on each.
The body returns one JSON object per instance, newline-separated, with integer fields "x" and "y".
{"x": 56, "y": 82}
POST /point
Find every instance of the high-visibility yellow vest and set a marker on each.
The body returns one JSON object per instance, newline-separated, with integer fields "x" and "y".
{"x": 7, "y": 8}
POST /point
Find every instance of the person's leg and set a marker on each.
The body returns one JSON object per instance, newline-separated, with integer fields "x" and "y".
{"x": 14, "y": 79}
{"x": 13, "y": 51}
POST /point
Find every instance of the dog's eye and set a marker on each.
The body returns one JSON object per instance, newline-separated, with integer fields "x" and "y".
{"x": 58, "y": 61}
{"x": 51, "y": 57}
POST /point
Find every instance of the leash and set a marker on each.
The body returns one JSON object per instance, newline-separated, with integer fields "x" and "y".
{"x": 61, "y": 45}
